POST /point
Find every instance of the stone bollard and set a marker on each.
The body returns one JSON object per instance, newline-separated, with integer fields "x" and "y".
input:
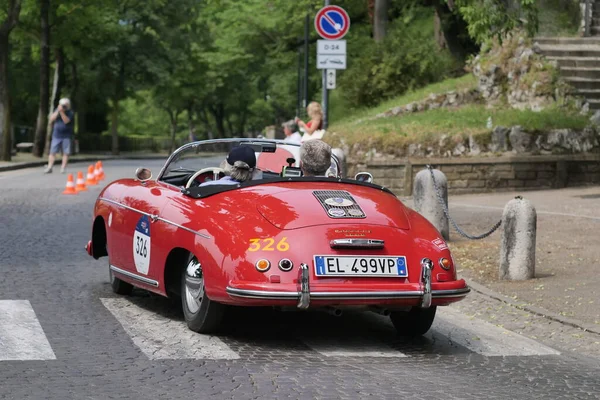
{"x": 427, "y": 202}
{"x": 517, "y": 250}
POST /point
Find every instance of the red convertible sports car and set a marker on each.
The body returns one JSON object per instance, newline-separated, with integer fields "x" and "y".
{"x": 280, "y": 239}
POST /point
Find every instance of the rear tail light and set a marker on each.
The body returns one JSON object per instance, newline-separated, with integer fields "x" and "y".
{"x": 286, "y": 265}
{"x": 263, "y": 265}
{"x": 445, "y": 263}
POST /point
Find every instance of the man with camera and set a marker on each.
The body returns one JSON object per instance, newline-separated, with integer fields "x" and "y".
{"x": 62, "y": 134}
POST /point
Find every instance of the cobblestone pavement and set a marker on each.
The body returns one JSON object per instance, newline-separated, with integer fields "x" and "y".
{"x": 96, "y": 345}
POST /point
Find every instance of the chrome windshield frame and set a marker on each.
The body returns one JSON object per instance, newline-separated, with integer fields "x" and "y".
{"x": 232, "y": 140}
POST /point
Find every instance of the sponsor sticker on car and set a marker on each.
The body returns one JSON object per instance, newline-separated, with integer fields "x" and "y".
{"x": 141, "y": 245}
{"x": 440, "y": 243}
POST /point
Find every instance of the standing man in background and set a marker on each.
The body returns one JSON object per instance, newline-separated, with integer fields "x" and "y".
{"x": 62, "y": 134}
{"x": 291, "y": 134}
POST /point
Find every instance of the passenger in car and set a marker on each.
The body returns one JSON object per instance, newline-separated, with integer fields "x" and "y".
{"x": 238, "y": 166}
{"x": 315, "y": 158}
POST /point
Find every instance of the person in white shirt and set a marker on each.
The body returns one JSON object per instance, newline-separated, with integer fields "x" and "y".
{"x": 291, "y": 133}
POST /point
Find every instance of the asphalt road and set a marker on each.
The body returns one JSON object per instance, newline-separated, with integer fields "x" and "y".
{"x": 64, "y": 334}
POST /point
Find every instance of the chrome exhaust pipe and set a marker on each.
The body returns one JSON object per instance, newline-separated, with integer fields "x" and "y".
{"x": 380, "y": 310}
{"x": 336, "y": 312}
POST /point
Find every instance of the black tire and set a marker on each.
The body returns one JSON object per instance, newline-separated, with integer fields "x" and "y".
{"x": 201, "y": 313}
{"x": 118, "y": 286}
{"x": 415, "y": 322}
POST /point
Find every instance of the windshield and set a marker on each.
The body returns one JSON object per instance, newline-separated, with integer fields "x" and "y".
{"x": 271, "y": 157}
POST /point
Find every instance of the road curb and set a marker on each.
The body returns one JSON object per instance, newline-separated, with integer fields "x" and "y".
{"x": 476, "y": 287}
{"x": 34, "y": 164}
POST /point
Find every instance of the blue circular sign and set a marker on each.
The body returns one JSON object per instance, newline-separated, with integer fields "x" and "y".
{"x": 332, "y": 22}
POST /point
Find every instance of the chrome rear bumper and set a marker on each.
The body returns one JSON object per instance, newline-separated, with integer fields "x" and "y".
{"x": 303, "y": 295}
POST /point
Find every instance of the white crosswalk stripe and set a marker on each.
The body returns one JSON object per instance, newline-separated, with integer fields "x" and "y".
{"x": 351, "y": 347}
{"x": 160, "y": 337}
{"x": 482, "y": 337}
{"x": 21, "y": 335}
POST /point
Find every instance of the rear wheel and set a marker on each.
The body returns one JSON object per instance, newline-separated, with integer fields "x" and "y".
{"x": 118, "y": 286}
{"x": 415, "y": 322}
{"x": 201, "y": 313}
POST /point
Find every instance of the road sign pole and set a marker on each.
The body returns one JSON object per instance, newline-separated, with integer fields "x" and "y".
{"x": 300, "y": 89}
{"x": 306, "y": 35}
{"x": 325, "y": 100}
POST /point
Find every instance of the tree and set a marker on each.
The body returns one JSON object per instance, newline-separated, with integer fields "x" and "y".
{"x": 451, "y": 31}
{"x": 380, "y": 19}
{"x": 495, "y": 18}
{"x": 7, "y": 25}
{"x": 43, "y": 110}
{"x": 137, "y": 56}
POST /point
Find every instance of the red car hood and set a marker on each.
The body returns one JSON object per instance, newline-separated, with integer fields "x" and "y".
{"x": 299, "y": 208}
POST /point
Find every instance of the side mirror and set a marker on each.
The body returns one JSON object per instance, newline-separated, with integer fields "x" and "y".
{"x": 364, "y": 177}
{"x": 143, "y": 174}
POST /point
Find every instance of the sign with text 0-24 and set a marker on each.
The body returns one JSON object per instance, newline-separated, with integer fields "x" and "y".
{"x": 331, "y": 54}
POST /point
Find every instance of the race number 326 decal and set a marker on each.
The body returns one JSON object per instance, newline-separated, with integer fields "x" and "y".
{"x": 141, "y": 245}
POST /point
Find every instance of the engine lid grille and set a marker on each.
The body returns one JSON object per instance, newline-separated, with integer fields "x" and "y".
{"x": 339, "y": 204}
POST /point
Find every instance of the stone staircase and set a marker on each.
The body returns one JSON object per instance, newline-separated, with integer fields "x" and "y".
{"x": 579, "y": 62}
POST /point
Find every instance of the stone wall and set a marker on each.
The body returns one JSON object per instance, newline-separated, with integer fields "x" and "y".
{"x": 485, "y": 174}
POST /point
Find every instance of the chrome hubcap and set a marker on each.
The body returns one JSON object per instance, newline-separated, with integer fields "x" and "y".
{"x": 194, "y": 285}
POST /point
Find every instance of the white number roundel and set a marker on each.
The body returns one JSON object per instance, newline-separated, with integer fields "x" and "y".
{"x": 141, "y": 245}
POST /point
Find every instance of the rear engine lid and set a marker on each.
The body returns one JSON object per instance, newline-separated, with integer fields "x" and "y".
{"x": 293, "y": 209}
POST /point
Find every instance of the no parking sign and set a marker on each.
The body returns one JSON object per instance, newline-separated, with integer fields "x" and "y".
{"x": 332, "y": 22}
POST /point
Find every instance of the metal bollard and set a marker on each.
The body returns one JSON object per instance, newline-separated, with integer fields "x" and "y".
{"x": 517, "y": 251}
{"x": 426, "y": 199}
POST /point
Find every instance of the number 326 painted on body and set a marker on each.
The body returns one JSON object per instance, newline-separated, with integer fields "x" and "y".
{"x": 267, "y": 245}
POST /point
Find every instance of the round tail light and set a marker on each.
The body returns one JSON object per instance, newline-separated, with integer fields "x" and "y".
{"x": 286, "y": 265}
{"x": 262, "y": 265}
{"x": 445, "y": 263}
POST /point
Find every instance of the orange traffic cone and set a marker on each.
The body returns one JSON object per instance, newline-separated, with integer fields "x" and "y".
{"x": 90, "y": 179}
{"x": 97, "y": 173}
{"x": 70, "y": 189}
{"x": 80, "y": 183}
{"x": 101, "y": 170}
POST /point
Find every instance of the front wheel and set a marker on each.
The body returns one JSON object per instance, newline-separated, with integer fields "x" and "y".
{"x": 118, "y": 286}
{"x": 415, "y": 322}
{"x": 201, "y": 313}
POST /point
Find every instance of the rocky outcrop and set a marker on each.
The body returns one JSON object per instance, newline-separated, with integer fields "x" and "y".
{"x": 514, "y": 73}
{"x": 501, "y": 140}
{"x": 450, "y": 99}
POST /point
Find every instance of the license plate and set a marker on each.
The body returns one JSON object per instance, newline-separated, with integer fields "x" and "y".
{"x": 391, "y": 266}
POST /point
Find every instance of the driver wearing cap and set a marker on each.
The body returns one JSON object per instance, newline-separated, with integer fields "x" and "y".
{"x": 238, "y": 167}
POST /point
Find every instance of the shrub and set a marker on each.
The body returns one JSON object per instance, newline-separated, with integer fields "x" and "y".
{"x": 408, "y": 58}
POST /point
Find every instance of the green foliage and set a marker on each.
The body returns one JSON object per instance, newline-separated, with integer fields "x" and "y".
{"x": 559, "y": 17}
{"x": 141, "y": 116}
{"x": 225, "y": 67}
{"x": 495, "y": 18}
{"x": 408, "y": 58}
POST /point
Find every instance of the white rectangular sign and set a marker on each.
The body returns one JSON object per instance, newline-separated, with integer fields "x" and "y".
{"x": 331, "y": 61}
{"x": 331, "y": 79}
{"x": 337, "y": 47}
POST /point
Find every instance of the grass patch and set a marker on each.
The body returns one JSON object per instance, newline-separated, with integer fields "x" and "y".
{"x": 341, "y": 114}
{"x": 392, "y": 135}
